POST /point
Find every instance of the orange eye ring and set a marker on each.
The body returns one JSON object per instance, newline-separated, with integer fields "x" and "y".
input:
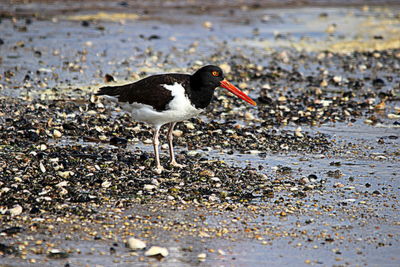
{"x": 215, "y": 73}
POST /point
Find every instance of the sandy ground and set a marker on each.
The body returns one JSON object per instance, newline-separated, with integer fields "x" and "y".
{"x": 309, "y": 177}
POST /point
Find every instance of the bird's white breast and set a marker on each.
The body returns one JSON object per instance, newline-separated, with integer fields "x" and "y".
{"x": 178, "y": 109}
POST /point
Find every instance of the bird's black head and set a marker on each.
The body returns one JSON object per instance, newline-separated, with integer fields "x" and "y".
{"x": 203, "y": 83}
{"x": 209, "y": 76}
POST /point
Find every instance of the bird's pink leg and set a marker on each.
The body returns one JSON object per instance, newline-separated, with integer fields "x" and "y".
{"x": 156, "y": 143}
{"x": 171, "y": 147}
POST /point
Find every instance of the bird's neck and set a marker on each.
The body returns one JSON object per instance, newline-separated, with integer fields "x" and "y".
{"x": 200, "y": 95}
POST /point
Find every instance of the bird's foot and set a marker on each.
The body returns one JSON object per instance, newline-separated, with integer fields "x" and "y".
{"x": 158, "y": 169}
{"x": 176, "y": 164}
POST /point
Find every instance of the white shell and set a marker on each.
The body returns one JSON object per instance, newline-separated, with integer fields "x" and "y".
{"x": 136, "y": 244}
{"x": 154, "y": 250}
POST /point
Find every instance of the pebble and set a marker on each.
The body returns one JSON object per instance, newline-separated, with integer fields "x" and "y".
{"x": 42, "y": 168}
{"x": 65, "y": 174}
{"x": 221, "y": 252}
{"x": 202, "y": 256}
{"x": 57, "y": 134}
{"x": 282, "y": 99}
{"x": 324, "y": 83}
{"x": 190, "y": 126}
{"x": 148, "y": 141}
{"x": 136, "y": 244}
{"x": 349, "y": 200}
{"x": 42, "y": 147}
{"x": 177, "y": 133}
{"x": 155, "y": 251}
{"x": 243, "y": 85}
{"x": 16, "y": 210}
{"x": 208, "y": 173}
{"x": 302, "y": 103}
{"x": 304, "y": 180}
{"x": 393, "y": 116}
{"x": 298, "y": 133}
{"x": 62, "y": 184}
{"x": 57, "y": 254}
{"x": 226, "y": 68}
{"x": 149, "y": 187}
{"x": 249, "y": 116}
{"x": 337, "y": 79}
{"x": 106, "y": 184}
{"x": 208, "y": 25}
{"x": 331, "y": 29}
{"x": 215, "y": 179}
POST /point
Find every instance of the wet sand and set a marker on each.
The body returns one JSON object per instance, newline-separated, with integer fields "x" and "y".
{"x": 309, "y": 177}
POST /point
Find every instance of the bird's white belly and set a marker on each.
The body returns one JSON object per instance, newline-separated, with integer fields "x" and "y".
{"x": 178, "y": 109}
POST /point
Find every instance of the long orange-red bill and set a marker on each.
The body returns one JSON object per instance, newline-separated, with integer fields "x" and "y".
{"x": 231, "y": 88}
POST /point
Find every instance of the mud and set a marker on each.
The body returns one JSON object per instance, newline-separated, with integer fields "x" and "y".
{"x": 309, "y": 177}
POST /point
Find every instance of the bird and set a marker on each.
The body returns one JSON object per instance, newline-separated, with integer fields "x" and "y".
{"x": 170, "y": 98}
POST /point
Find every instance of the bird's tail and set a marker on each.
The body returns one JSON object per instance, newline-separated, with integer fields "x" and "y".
{"x": 110, "y": 91}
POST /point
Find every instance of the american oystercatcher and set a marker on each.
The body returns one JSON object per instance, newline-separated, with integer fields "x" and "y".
{"x": 170, "y": 98}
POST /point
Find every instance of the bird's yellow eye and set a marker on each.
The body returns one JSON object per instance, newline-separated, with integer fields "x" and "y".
{"x": 215, "y": 73}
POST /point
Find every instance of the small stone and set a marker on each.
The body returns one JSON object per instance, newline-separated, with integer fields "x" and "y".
{"x": 149, "y": 187}
{"x": 380, "y": 106}
{"x": 225, "y": 68}
{"x": 213, "y": 198}
{"x": 202, "y": 256}
{"x": 16, "y": 210}
{"x": 298, "y": 133}
{"x": 136, "y": 244}
{"x": 208, "y": 173}
{"x": 177, "y": 133}
{"x": 266, "y": 18}
{"x": 57, "y": 254}
{"x": 331, "y": 28}
{"x": 207, "y": 24}
{"x": 324, "y": 83}
{"x": 243, "y": 85}
{"x": 103, "y": 137}
{"x": 393, "y": 116}
{"x": 57, "y": 134}
{"x": 106, "y": 184}
{"x": 155, "y": 251}
{"x": 215, "y": 179}
{"x": 282, "y": 99}
{"x": 190, "y": 126}
{"x": 65, "y": 174}
{"x": 337, "y": 79}
{"x": 42, "y": 147}
{"x": 62, "y": 184}
{"x": 249, "y": 116}
{"x": 42, "y": 168}
{"x": 304, "y": 180}
{"x": 338, "y": 185}
{"x": 221, "y": 252}
{"x": 326, "y": 103}
{"x": 148, "y": 141}
{"x": 117, "y": 141}
{"x": 349, "y": 200}
{"x": 164, "y": 146}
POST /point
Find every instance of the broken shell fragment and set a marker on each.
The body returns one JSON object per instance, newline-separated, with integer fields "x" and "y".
{"x": 155, "y": 251}
{"x": 136, "y": 244}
